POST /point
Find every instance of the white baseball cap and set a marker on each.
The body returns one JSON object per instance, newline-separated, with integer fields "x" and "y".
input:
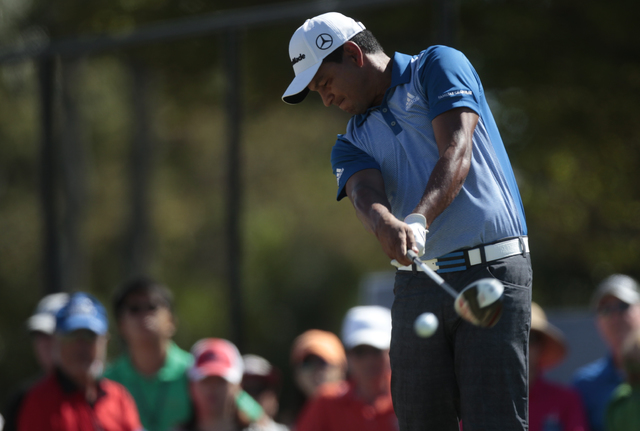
{"x": 311, "y": 43}
{"x": 621, "y": 286}
{"x": 369, "y": 325}
{"x": 44, "y": 318}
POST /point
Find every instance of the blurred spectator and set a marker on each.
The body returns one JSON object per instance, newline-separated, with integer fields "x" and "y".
{"x": 623, "y": 413}
{"x": 153, "y": 368}
{"x": 364, "y": 401}
{"x": 317, "y": 357}
{"x": 219, "y": 401}
{"x": 616, "y": 302}
{"x": 73, "y": 396}
{"x": 551, "y": 406}
{"x": 261, "y": 380}
{"x": 41, "y": 327}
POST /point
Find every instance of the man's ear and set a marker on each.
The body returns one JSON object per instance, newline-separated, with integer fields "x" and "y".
{"x": 352, "y": 52}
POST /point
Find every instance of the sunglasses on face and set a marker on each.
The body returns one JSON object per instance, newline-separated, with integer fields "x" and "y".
{"x": 313, "y": 361}
{"x": 81, "y": 335}
{"x": 364, "y": 350}
{"x": 610, "y": 309}
{"x": 142, "y": 308}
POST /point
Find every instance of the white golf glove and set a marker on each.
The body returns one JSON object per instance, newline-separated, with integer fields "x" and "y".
{"x": 418, "y": 224}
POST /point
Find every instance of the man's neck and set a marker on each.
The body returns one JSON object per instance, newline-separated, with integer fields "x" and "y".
{"x": 381, "y": 75}
{"x": 85, "y": 383}
{"x": 148, "y": 358}
{"x": 371, "y": 390}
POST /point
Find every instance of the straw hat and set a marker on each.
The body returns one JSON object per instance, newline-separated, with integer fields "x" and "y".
{"x": 554, "y": 347}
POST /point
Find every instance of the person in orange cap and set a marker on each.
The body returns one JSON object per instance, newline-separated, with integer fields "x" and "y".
{"x": 317, "y": 357}
{"x": 551, "y": 406}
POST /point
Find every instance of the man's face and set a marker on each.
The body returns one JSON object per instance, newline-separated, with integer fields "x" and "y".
{"x": 343, "y": 85}
{"x": 213, "y": 396}
{"x": 145, "y": 317}
{"x": 43, "y": 348}
{"x": 79, "y": 351}
{"x": 615, "y": 320}
{"x": 366, "y": 363}
{"x": 314, "y": 371}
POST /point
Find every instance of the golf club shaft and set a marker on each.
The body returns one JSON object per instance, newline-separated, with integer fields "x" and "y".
{"x": 431, "y": 273}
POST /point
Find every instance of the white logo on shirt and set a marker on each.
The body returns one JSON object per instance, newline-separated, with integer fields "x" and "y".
{"x": 411, "y": 99}
{"x": 339, "y": 172}
{"x": 455, "y": 93}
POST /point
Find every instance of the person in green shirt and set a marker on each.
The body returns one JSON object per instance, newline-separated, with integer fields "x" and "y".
{"x": 153, "y": 368}
{"x": 623, "y": 412}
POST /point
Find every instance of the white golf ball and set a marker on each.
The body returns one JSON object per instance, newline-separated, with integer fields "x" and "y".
{"x": 425, "y": 325}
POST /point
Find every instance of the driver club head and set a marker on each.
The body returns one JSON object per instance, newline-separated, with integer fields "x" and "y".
{"x": 481, "y": 302}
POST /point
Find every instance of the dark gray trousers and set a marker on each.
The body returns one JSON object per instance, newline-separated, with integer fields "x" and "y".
{"x": 462, "y": 372}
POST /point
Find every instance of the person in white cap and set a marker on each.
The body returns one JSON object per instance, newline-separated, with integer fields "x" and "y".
{"x": 617, "y": 305}
{"x": 41, "y": 326}
{"x": 424, "y": 166}
{"x": 364, "y": 401}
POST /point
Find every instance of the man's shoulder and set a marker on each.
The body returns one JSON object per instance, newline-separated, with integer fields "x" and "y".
{"x": 119, "y": 369}
{"x": 437, "y": 52}
{"x": 180, "y": 356}
{"x": 113, "y": 387}
{"x": 46, "y": 391}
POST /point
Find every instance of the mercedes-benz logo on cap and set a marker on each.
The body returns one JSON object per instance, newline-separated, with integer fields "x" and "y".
{"x": 324, "y": 41}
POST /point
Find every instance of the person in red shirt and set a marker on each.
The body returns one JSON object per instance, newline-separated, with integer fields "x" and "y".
{"x": 363, "y": 402}
{"x": 73, "y": 396}
{"x": 551, "y": 406}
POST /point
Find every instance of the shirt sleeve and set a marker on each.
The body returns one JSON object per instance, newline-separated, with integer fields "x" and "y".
{"x": 34, "y": 416}
{"x": 449, "y": 80}
{"x": 346, "y": 160}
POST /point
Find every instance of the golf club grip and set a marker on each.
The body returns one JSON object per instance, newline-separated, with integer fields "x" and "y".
{"x": 431, "y": 273}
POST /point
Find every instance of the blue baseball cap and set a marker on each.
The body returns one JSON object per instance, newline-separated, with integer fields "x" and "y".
{"x": 83, "y": 311}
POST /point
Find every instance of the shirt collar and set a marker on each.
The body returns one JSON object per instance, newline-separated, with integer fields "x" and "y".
{"x": 400, "y": 74}
{"x": 172, "y": 369}
{"x": 68, "y": 386}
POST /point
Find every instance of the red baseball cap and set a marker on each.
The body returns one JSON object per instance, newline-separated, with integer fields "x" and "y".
{"x": 216, "y": 357}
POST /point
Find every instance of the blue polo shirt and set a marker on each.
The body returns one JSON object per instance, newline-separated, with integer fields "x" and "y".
{"x": 397, "y": 138}
{"x": 596, "y": 383}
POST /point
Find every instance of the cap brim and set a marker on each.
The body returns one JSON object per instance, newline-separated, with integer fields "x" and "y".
{"x": 90, "y": 323}
{"x": 43, "y": 322}
{"x": 298, "y": 89}
{"x": 375, "y": 339}
{"x": 198, "y": 373}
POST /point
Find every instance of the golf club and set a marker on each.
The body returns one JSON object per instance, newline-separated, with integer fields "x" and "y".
{"x": 480, "y": 303}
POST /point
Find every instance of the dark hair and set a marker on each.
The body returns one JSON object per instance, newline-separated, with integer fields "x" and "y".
{"x": 365, "y": 40}
{"x": 141, "y": 285}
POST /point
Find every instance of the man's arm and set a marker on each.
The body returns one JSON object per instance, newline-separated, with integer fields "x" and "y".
{"x": 454, "y": 136}
{"x": 366, "y": 192}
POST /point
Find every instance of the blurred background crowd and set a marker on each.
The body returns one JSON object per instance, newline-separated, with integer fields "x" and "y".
{"x": 340, "y": 383}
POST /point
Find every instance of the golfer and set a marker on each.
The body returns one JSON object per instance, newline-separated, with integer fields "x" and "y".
{"x": 424, "y": 166}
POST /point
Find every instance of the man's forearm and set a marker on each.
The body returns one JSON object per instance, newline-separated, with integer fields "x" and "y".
{"x": 371, "y": 207}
